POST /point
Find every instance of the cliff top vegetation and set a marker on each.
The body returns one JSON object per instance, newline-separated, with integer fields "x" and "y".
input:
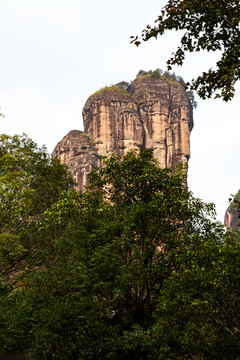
{"x": 159, "y": 73}
{"x": 234, "y": 204}
{"x": 122, "y": 88}
{"x": 113, "y": 90}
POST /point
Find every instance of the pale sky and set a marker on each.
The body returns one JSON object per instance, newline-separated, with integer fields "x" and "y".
{"x": 56, "y": 53}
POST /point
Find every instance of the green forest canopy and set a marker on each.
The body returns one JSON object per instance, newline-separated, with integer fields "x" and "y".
{"x": 133, "y": 268}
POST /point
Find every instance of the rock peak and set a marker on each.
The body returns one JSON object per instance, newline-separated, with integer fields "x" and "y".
{"x": 155, "y": 113}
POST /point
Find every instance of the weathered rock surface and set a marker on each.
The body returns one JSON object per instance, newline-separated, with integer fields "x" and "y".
{"x": 167, "y": 118}
{"x": 155, "y": 113}
{"x": 112, "y": 120}
{"x": 231, "y": 219}
{"x": 78, "y": 152}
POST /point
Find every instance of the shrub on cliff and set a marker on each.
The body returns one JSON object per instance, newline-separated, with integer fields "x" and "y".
{"x": 123, "y": 85}
{"x": 235, "y": 202}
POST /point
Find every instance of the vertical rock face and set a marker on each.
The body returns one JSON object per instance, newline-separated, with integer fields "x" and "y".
{"x": 112, "y": 120}
{"x": 155, "y": 113}
{"x": 78, "y": 152}
{"x": 167, "y": 119}
{"x": 231, "y": 219}
{"x": 232, "y": 215}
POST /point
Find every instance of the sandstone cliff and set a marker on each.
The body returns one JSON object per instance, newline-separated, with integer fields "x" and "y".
{"x": 155, "y": 113}
{"x": 166, "y": 115}
{"x": 111, "y": 118}
{"x": 232, "y": 218}
{"x": 78, "y": 152}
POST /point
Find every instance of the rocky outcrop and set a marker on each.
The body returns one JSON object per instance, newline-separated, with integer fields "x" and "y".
{"x": 166, "y": 115}
{"x": 232, "y": 215}
{"x": 231, "y": 219}
{"x": 78, "y": 152}
{"x": 111, "y": 118}
{"x": 155, "y": 113}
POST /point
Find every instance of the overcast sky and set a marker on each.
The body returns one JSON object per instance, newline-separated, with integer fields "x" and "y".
{"x": 56, "y": 53}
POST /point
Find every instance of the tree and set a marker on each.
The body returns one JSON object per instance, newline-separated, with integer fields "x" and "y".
{"x": 197, "y": 315}
{"x": 123, "y": 85}
{"x": 208, "y": 25}
{"x": 115, "y": 245}
{"x": 30, "y": 182}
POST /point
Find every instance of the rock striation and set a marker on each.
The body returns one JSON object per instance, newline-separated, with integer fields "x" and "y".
{"x": 166, "y": 116}
{"x": 231, "y": 219}
{"x": 111, "y": 119}
{"x": 78, "y": 152}
{"x": 155, "y": 113}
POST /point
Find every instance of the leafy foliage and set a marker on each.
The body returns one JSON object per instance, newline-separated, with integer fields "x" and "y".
{"x": 30, "y": 182}
{"x": 234, "y": 204}
{"x": 1, "y": 115}
{"x": 123, "y": 85}
{"x": 135, "y": 260}
{"x": 208, "y": 25}
{"x": 155, "y": 73}
{"x": 198, "y": 311}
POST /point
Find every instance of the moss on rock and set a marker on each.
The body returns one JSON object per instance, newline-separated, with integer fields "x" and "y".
{"x": 112, "y": 90}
